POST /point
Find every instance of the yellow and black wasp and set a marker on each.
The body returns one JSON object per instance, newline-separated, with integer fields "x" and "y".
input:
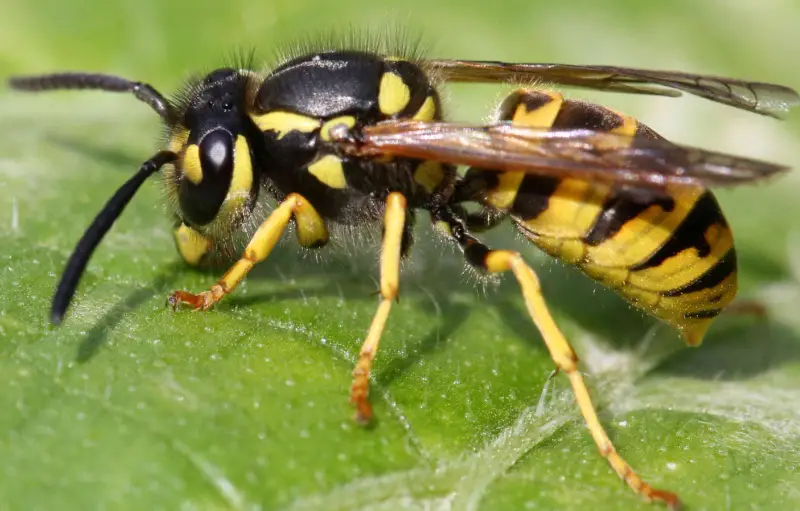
{"x": 354, "y": 137}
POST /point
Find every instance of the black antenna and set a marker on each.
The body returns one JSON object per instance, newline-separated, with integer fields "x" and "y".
{"x": 110, "y": 83}
{"x": 99, "y": 227}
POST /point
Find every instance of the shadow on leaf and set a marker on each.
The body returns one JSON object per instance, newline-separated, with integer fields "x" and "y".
{"x": 98, "y": 335}
{"x": 734, "y": 351}
{"x": 115, "y": 158}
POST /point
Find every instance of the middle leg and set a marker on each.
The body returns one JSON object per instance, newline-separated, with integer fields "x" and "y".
{"x": 394, "y": 223}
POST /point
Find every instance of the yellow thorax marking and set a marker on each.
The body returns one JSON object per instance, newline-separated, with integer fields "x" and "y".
{"x": 393, "y": 94}
{"x": 325, "y": 131}
{"x": 329, "y": 171}
{"x": 286, "y": 122}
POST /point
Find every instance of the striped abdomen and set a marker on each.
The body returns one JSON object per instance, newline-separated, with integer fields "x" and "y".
{"x": 672, "y": 256}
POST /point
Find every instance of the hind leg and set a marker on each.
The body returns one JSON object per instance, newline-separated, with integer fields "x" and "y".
{"x": 564, "y": 357}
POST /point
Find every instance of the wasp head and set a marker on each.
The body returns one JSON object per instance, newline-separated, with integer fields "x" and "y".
{"x": 214, "y": 181}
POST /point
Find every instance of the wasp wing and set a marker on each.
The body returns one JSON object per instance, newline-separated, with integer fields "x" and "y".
{"x": 580, "y": 153}
{"x": 762, "y": 98}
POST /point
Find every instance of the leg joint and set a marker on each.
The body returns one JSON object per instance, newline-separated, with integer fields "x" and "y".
{"x": 396, "y": 200}
{"x": 498, "y": 261}
{"x": 294, "y": 199}
{"x": 389, "y": 290}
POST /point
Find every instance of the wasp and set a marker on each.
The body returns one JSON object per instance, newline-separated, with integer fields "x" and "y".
{"x": 348, "y": 136}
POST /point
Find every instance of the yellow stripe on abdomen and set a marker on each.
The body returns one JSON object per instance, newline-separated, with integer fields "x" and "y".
{"x": 533, "y": 108}
{"x": 572, "y": 209}
{"x": 637, "y": 227}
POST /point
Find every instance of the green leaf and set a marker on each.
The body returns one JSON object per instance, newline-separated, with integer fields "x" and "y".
{"x": 128, "y": 405}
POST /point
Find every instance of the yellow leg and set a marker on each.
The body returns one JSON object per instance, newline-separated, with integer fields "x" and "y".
{"x": 566, "y": 361}
{"x": 394, "y": 221}
{"x": 310, "y": 231}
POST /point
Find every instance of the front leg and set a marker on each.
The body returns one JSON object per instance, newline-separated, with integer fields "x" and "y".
{"x": 311, "y": 232}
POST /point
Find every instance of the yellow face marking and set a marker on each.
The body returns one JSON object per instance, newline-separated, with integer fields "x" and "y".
{"x": 541, "y": 117}
{"x": 427, "y": 112}
{"x": 393, "y": 95}
{"x": 242, "y": 180}
{"x": 192, "y": 168}
{"x": 178, "y": 140}
{"x": 429, "y": 174}
{"x": 503, "y": 195}
{"x": 191, "y": 244}
{"x": 285, "y": 122}
{"x": 325, "y": 131}
{"x": 329, "y": 171}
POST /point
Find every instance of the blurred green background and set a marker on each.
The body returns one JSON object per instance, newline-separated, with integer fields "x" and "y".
{"x": 129, "y": 406}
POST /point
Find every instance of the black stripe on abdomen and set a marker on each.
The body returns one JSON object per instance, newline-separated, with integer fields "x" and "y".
{"x": 533, "y": 196}
{"x": 621, "y": 207}
{"x": 690, "y": 233}
{"x": 724, "y": 268}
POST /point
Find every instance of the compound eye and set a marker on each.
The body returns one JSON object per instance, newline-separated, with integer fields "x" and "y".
{"x": 208, "y": 168}
{"x": 216, "y": 153}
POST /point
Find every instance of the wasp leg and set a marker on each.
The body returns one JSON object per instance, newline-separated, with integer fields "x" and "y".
{"x": 394, "y": 222}
{"x": 482, "y": 220}
{"x": 191, "y": 245}
{"x": 497, "y": 261}
{"x": 311, "y": 231}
